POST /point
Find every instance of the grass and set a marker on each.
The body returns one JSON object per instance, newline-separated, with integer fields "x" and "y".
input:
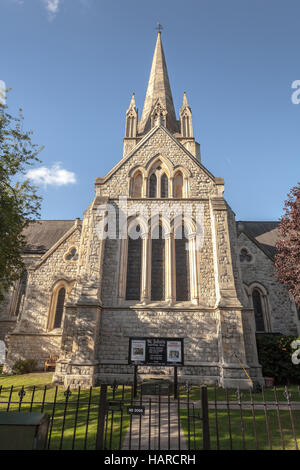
{"x": 247, "y": 432}
{"x": 246, "y": 425}
{"x": 38, "y": 388}
{"x": 221, "y": 394}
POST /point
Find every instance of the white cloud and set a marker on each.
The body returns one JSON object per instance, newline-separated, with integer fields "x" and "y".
{"x": 55, "y": 176}
{"x": 52, "y": 6}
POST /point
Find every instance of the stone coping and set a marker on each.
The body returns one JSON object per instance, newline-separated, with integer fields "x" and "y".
{"x": 22, "y": 333}
{"x": 187, "y": 364}
{"x": 196, "y": 308}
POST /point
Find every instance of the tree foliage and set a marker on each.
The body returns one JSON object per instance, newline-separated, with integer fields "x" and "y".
{"x": 19, "y": 202}
{"x": 275, "y": 356}
{"x": 287, "y": 259}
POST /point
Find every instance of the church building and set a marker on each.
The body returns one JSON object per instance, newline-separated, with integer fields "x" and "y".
{"x": 157, "y": 254}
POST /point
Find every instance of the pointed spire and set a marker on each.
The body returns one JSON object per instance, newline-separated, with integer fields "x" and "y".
{"x": 158, "y": 91}
{"x": 185, "y": 114}
{"x": 132, "y": 102}
{"x": 131, "y": 119}
{"x": 185, "y": 101}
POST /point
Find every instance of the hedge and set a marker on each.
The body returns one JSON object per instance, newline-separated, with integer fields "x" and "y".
{"x": 274, "y": 354}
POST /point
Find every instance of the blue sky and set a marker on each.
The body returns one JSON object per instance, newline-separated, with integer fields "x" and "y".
{"x": 73, "y": 64}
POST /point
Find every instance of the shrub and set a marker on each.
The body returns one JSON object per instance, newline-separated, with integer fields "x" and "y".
{"x": 274, "y": 354}
{"x": 24, "y": 366}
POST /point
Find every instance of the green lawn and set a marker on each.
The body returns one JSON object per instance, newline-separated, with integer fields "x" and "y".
{"x": 82, "y": 410}
{"x": 250, "y": 442}
{"x": 221, "y": 394}
{"x": 247, "y": 432}
{"x": 39, "y": 389}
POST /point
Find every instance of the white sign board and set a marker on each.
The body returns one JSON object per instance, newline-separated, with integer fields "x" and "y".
{"x": 174, "y": 351}
{"x": 138, "y": 350}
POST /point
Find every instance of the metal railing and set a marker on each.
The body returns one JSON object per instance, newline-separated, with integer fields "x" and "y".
{"x": 199, "y": 418}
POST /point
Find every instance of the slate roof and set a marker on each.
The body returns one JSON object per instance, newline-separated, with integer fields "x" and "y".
{"x": 264, "y": 233}
{"x": 43, "y": 234}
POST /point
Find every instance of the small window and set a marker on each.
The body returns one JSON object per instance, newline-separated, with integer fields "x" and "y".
{"x": 164, "y": 186}
{"x": 245, "y": 256}
{"x": 258, "y": 310}
{"x": 137, "y": 184}
{"x": 59, "y": 307}
{"x": 153, "y": 185}
{"x": 21, "y": 293}
{"x": 178, "y": 185}
{"x": 72, "y": 255}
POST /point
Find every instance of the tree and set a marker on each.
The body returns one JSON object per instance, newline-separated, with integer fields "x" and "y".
{"x": 287, "y": 259}
{"x": 19, "y": 202}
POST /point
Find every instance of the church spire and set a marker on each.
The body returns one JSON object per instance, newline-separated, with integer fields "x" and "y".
{"x": 158, "y": 105}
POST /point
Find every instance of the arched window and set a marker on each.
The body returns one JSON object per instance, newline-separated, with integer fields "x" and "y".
{"x": 178, "y": 185}
{"x": 134, "y": 260}
{"x": 158, "y": 267}
{"x": 137, "y": 184}
{"x": 164, "y": 186}
{"x": 182, "y": 265}
{"x": 258, "y": 310}
{"x": 153, "y": 185}
{"x": 56, "y": 311}
{"x": 21, "y": 294}
{"x": 59, "y": 307}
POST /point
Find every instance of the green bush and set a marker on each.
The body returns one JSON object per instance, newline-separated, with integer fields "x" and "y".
{"x": 275, "y": 356}
{"x": 24, "y": 366}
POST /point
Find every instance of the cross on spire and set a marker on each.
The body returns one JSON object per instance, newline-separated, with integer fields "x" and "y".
{"x": 159, "y": 27}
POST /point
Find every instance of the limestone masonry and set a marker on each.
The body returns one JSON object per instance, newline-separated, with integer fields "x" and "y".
{"x": 205, "y": 278}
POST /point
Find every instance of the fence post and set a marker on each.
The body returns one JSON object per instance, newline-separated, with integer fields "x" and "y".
{"x": 205, "y": 419}
{"x": 101, "y": 418}
{"x": 175, "y": 383}
{"x": 135, "y": 381}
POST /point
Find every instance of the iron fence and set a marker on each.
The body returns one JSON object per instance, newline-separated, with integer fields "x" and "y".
{"x": 112, "y": 417}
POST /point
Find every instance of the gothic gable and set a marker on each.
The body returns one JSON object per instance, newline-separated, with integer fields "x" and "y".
{"x": 158, "y": 143}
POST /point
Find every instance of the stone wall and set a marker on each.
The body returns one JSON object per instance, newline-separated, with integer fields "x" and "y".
{"x": 261, "y": 270}
{"x": 32, "y": 346}
{"x": 198, "y": 328}
{"x": 159, "y": 143}
{"x": 31, "y": 337}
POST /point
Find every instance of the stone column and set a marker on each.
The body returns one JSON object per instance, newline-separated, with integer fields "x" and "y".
{"x": 170, "y": 268}
{"x": 229, "y": 309}
{"x": 145, "y": 268}
{"x": 193, "y": 269}
{"x": 171, "y": 187}
{"x": 78, "y": 362}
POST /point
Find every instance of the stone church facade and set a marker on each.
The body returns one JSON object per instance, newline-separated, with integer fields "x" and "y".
{"x": 133, "y": 267}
